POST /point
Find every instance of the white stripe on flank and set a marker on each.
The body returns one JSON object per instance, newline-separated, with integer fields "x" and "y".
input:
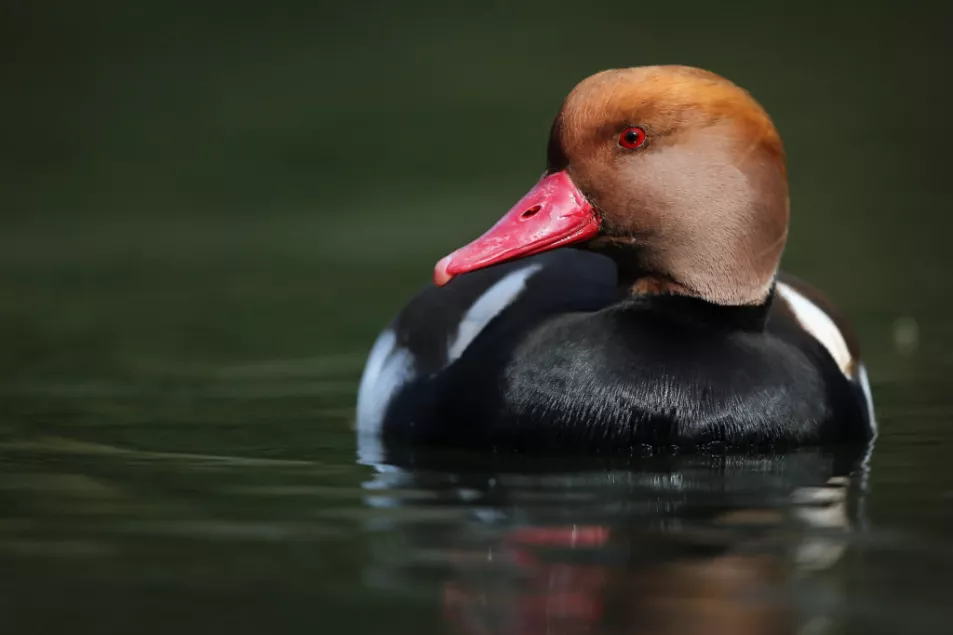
{"x": 388, "y": 368}
{"x": 819, "y": 325}
{"x": 868, "y": 395}
{"x": 488, "y": 306}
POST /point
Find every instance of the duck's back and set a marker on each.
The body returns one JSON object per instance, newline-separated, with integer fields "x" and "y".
{"x": 539, "y": 354}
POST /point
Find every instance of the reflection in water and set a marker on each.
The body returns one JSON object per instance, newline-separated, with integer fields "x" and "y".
{"x": 689, "y": 544}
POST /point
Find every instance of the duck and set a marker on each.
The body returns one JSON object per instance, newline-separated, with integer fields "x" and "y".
{"x": 632, "y": 300}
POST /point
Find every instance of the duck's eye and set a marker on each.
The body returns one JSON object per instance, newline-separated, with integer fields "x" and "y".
{"x": 632, "y": 138}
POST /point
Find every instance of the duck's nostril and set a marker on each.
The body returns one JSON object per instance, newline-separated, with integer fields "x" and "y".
{"x": 533, "y": 211}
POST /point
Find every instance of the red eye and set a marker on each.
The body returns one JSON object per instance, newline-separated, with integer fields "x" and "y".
{"x": 632, "y": 138}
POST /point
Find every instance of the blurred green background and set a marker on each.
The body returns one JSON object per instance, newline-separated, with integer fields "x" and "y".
{"x": 189, "y": 184}
{"x": 208, "y": 210}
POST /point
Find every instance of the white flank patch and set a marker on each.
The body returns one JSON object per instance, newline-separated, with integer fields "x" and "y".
{"x": 819, "y": 325}
{"x": 388, "y": 368}
{"x": 868, "y": 395}
{"x": 488, "y": 306}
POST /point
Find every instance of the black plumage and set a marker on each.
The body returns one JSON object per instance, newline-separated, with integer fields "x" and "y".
{"x": 573, "y": 365}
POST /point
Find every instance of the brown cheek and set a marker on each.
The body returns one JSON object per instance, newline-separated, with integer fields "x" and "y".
{"x": 616, "y": 185}
{"x": 693, "y": 196}
{"x": 770, "y": 180}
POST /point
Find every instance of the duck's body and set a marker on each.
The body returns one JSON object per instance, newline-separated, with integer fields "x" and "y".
{"x": 542, "y": 354}
{"x": 674, "y": 328}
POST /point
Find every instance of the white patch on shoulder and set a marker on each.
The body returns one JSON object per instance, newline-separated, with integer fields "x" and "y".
{"x": 868, "y": 395}
{"x": 819, "y": 325}
{"x": 388, "y": 368}
{"x": 488, "y": 306}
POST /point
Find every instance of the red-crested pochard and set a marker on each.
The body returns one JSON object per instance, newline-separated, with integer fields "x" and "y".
{"x": 668, "y": 323}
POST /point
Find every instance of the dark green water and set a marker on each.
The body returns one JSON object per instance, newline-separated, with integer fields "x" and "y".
{"x": 207, "y": 215}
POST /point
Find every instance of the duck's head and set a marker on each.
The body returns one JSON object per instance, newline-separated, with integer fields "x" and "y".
{"x": 674, "y": 172}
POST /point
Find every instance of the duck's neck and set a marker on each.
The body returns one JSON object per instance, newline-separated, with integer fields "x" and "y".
{"x": 647, "y": 267}
{"x": 669, "y": 297}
